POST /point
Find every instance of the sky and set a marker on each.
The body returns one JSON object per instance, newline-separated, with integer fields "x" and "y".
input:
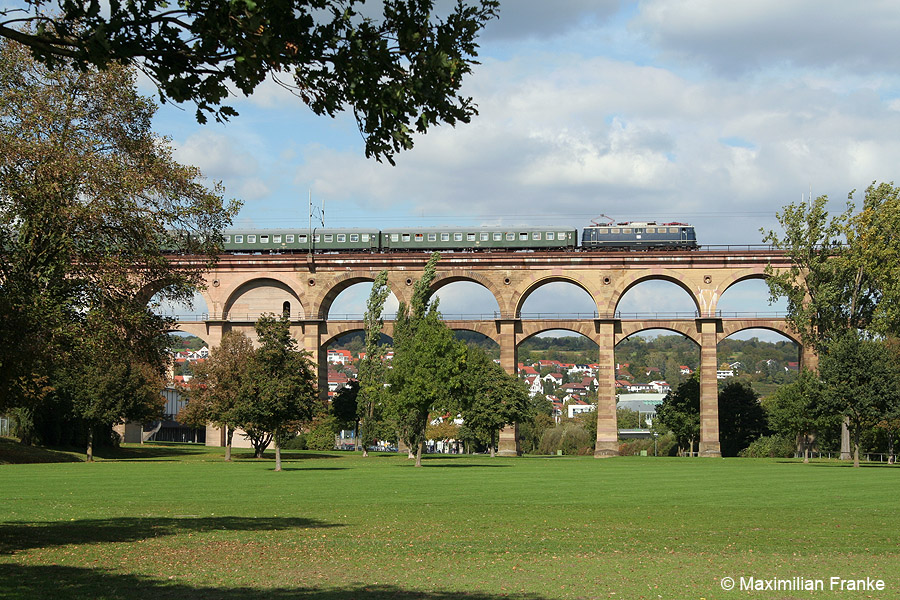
{"x": 712, "y": 113}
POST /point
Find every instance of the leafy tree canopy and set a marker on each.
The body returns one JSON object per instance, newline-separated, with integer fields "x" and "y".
{"x": 399, "y": 73}
{"x": 90, "y": 199}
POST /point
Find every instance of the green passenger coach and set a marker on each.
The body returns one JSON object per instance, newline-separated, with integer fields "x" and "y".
{"x": 479, "y": 238}
{"x": 291, "y": 240}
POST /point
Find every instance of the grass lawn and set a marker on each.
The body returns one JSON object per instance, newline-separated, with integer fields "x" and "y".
{"x": 177, "y": 522}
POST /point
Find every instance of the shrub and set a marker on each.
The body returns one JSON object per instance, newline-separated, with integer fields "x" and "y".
{"x": 570, "y": 437}
{"x": 770, "y": 446}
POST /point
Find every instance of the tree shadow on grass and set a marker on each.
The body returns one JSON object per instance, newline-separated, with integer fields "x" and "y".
{"x": 18, "y": 582}
{"x": 16, "y": 536}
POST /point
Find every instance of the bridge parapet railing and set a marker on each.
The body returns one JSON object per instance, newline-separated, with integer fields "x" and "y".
{"x": 530, "y": 316}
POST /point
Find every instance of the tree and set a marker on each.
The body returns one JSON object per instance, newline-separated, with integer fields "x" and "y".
{"x": 344, "y": 406}
{"x": 859, "y": 376}
{"x": 791, "y": 410}
{"x": 680, "y": 412}
{"x": 371, "y": 368}
{"x": 495, "y": 398}
{"x": 398, "y": 74}
{"x": 428, "y": 363}
{"x": 842, "y": 290}
{"x": 90, "y": 202}
{"x": 827, "y": 291}
{"x": 217, "y": 389}
{"x": 281, "y": 384}
{"x": 107, "y": 379}
{"x": 741, "y": 417}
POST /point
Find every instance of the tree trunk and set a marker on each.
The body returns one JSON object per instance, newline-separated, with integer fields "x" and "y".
{"x": 856, "y": 446}
{"x": 410, "y": 454}
{"x": 89, "y": 454}
{"x": 493, "y": 445}
{"x": 419, "y": 453}
{"x": 277, "y": 454}
{"x": 229, "y": 434}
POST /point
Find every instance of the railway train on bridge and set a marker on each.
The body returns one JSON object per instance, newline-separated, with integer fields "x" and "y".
{"x": 631, "y": 235}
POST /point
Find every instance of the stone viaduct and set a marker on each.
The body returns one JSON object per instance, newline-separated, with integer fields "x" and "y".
{"x": 241, "y": 287}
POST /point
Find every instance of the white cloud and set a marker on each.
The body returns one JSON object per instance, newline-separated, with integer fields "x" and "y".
{"x": 733, "y": 37}
{"x": 217, "y": 155}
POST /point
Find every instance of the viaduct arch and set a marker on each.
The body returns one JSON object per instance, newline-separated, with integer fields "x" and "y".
{"x": 314, "y": 281}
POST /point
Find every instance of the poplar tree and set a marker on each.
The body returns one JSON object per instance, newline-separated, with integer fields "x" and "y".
{"x": 370, "y": 396}
{"x": 428, "y": 364}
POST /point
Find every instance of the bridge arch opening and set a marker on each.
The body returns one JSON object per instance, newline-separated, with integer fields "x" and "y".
{"x": 349, "y": 302}
{"x": 749, "y": 298}
{"x": 651, "y": 362}
{"x": 559, "y": 369}
{"x": 764, "y": 358}
{"x": 656, "y": 297}
{"x": 193, "y": 309}
{"x": 262, "y": 296}
{"x": 465, "y": 300}
{"x": 474, "y": 337}
{"x": 555, "y": 298}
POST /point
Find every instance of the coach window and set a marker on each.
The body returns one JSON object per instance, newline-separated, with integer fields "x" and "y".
{"x": 300, "y": 238}
{"x": 498, "y": 237}
{"x": 251, "y": 239}
{"x": 483, "y": 236}
{"x": 227, "y": 239}
{"x": 673, "y": 230}
{"x": 354, "y": 237}
{"x": 536, "y": 235}
{"x": 510, "y": 237}
{"x": 405, "y": 237}
{"x": 651, "y": 230}
{"x": 420, "y": 238}
{"x": 316, "y": 238}
{"x": 432, "y": 237}
{"x": 615, "y": 230}
{"x": 604, "y": 230}
{"x": 276, "y": 239}
{"x": 395, "y": 237}
{"x": 550, "y": 236}
{"x": 457, "y": 237}
{"x": 470, "y": 237}
{"x": 342, "y": 237}
{"x": 329, "y": 237}
{"x": 626, "y": 230}
{"x": 365, "y": 237}
{"x": 445, "y": 237}
{"x": 238, "y": 239}
{"x": 263, "y": 239}
{"x": 523, "y": 237}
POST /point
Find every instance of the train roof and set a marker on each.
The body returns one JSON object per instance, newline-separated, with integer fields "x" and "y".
{"x": 470, "y": 228}
{"x": 297, "y": 230}
{"x": 640, "y": 224}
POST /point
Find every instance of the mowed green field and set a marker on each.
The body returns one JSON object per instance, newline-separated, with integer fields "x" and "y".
{"x": 180, "y": 523}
